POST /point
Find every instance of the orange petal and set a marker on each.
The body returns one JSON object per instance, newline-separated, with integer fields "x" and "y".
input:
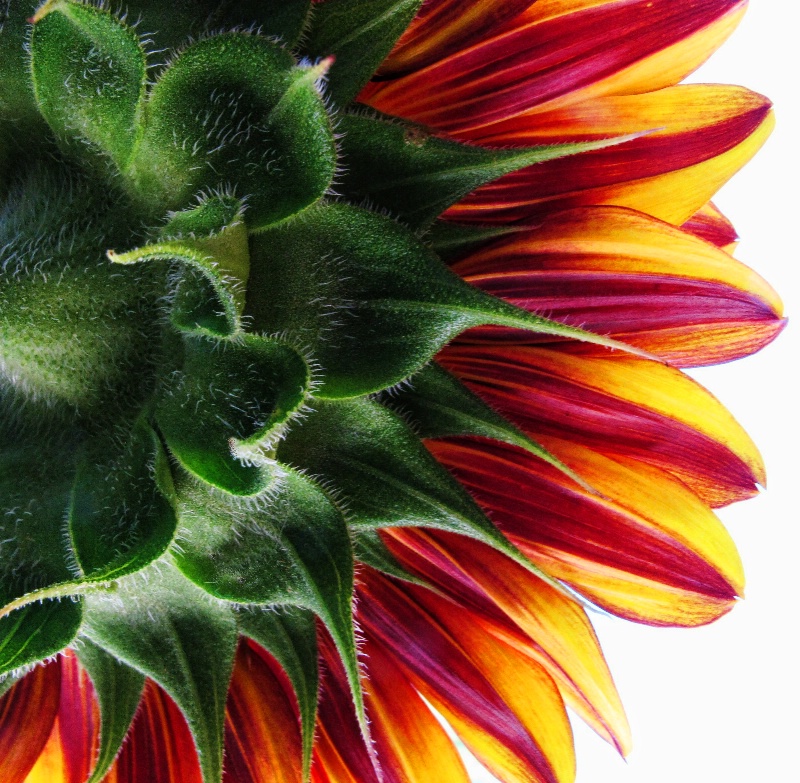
{"x": 442, "y": 27}
{"x": 159, "y": 747}
{"x": 696, "y": 138}
{"x": 618, "y": 405}
{"x": 621, "y": 273}
{"x": 550, "y": 627}
{"x": 558, "y": 54}
{"x": 412, "y": 745}
{"x": 27, "y": 713}
{"x": 262, "y": 731}
{"x": 503, "y": 705}
{"x": 646, "y": 548}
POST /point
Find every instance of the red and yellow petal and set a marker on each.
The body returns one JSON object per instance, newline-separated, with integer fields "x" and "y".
{"x": 503, "y": 705}
{"x": 695, "y": 137}
{"x": 536, "y": 619}
{"x": 69, "y": 755}
{"x": 643, "y": 546}
{"x": 27, "y": 715}
{"x": 557, "y": 54}
{"x": 159, "y": 747}
{"x": 262, "y": 731}
{"x": 443, "y": 27}
{"x": 410, "y": 742}
{"x": 621, "y": 273}
{"x": 618, "y": 405}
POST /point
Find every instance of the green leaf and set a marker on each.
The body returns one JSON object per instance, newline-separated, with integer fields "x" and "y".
{"x": 371, "y": 302}
{"x": 283, "y": 19}
{"x": 167, "y": 629}
{"x": 416, "y": 176}
{"x": 369, "y": 548}
{"x": 119, "y": 690}
{"x": 224, "y": 411}
{"x": 120, "y": 516}
{"x": 89, "y": 76}
{"x": 438, "y": 405}
{"x": 234, "y": 110}
{"x": 291, "y": 547}
{"x": 290, "y": 635}
{"x": 37, "y": 631}
{"x": 211, "y": 240}
{"x": 360, "y": 34}
{"x": 17, "y": 103}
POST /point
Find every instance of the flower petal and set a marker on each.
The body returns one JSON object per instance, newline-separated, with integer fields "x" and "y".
{"x": 27, "y": 714}
{"x": 159, "y": 748}
{"x": 646, "y": 548}
{"x": 504, "y": 706}
{"x": 262, "y": 730}
{"x": 557, "y": 54}
{"x": 618, "y": 405}
{"x": 442, "y": 27}
{"x": 621, "y": 273}
{"x": 535, "y": 618}
{"x": 411, "y": 743}
{"x": 695, "y": 138}
{"x": 69, "y": 755}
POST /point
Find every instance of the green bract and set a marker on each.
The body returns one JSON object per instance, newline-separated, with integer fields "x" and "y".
{"x": 212, "y": 276}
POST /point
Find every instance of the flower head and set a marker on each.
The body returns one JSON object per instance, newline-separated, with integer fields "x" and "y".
{"x": 341, "y": 375}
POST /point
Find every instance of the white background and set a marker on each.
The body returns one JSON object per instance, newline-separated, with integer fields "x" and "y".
{"x": 720, "y": 704}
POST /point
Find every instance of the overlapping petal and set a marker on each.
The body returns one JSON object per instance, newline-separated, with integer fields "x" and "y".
{"x": 621, "y": 273}
{"x": 643, "y": 546}
{"x": 504, "y": 706}
{"x": 528, "y": 614}
{"x": 710, "y": 224}
{"x": 695, "y": 137}
{"x": 558, "y": 53}
{"x": 619, "y": 405}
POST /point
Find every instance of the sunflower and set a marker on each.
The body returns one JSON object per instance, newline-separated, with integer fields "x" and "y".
{"x": 342, "y": 374}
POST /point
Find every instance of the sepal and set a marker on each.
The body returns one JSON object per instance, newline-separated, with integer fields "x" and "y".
{"x": 210, "y": 241}
{"x": 89, "y": 77}
{"x": 404, "y": 168}
{"x": 370, "y": 301}
{"x": 359, "y": 34}
{"x": 119, "y": 691}
{"x": 165, "y": 627}
{"x": 235, "y": 110}
{"x": 227, "y": 406}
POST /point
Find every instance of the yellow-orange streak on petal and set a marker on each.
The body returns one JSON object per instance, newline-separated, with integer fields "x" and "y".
{"x": 411, "y": 744}
{"x": 524, "y": 685}
{"x": 27, "y": 713}
{"x": 262, "y": 734}
{"x": 557, "y": 632}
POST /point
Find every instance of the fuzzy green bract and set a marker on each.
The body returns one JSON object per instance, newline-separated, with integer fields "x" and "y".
{"x": 212, "y": 285}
